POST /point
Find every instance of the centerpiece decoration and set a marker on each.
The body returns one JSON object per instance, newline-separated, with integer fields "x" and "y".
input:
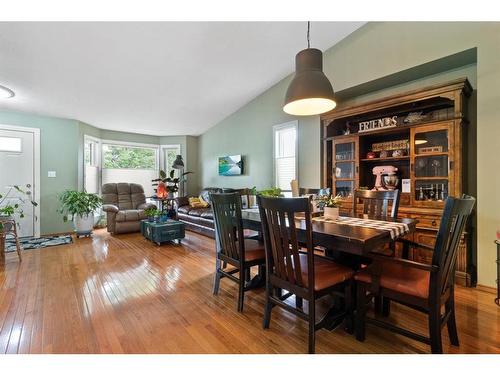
{"x": 81, "y": 206}
{"x": 331, "y": 205}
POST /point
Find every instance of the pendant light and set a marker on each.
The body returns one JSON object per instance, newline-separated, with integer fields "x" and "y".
{"x": 310, "y": 92}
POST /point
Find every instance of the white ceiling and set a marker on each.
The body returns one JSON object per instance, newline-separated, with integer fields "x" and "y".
{"x": 161, "y": 78}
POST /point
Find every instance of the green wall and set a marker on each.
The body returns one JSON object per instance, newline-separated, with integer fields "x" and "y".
{"x": 61, "y": 150}
{"x": 375, "y": 51}
{"x": 58, "y": 145}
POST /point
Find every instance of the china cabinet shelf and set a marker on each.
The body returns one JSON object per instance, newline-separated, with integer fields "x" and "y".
{"x": 431, "y": 118}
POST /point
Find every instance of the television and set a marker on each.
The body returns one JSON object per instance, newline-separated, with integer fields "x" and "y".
{"x": 230, "y": 165}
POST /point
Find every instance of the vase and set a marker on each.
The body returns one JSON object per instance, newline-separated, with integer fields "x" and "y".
{"x": 331, "y": 213}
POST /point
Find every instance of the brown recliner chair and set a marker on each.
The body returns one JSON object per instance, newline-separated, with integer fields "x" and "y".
{"x": 124, "y": 205}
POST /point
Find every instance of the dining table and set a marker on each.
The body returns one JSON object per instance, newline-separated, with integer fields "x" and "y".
{"x": 341, "y": 236}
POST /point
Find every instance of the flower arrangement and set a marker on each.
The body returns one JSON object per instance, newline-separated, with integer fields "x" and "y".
{"x": 330, "y": 205}
{"x": 330, "y": 201}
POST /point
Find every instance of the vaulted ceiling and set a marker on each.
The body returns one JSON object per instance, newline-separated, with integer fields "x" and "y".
{"x": 164, "y": 78}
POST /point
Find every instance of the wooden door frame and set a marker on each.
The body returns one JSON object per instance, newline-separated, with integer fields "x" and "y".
{"x": 36, "y": 170}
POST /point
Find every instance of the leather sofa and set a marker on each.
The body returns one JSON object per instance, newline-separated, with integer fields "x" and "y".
{"x": 124, "y": 205}
{"x": 201, "y": 220}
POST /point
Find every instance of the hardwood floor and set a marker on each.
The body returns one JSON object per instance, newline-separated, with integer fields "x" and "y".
{"x": 124, "y": 295}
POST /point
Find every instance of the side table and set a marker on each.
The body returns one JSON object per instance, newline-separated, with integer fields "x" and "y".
{"x": 159, "y": 232}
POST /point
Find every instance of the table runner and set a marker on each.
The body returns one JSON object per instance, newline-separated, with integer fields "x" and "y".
{"x": 395, "y": 229}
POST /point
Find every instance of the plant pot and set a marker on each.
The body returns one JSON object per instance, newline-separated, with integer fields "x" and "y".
{"x": 331, "y": 213}
{"x": 151, "y": 219}
{"x": 84, "y": 223}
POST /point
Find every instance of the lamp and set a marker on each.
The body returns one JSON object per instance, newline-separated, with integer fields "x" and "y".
{"x": 178, "y": 162}
{"x": 310, "y": 92}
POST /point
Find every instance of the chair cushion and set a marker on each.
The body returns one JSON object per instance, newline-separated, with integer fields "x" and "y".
{"x": 254, "y": 250}
{"x": 208, "y": 214}
{"x": 130, "y": 215}
{"x": 327, "y": 273}
{"x": 400, "y": 278}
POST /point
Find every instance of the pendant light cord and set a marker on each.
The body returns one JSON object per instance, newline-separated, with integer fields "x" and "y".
{"x": 308, "y": 33}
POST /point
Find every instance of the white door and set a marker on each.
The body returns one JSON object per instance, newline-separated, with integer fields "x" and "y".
{"x": 17, "y": 168}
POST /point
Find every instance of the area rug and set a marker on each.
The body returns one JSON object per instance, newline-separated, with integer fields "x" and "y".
{"x": 30, "y": 243}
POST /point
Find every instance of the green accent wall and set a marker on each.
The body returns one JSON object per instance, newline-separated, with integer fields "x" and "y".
{"x": 58, "y": 145}
{"x": 373, "y": 52}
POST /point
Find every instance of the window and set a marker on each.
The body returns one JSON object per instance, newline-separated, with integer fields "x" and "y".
{"x": 91, "y": 160}
{"x": 128, "y": 157}
{"x": 285, "y": 155}
{"x": 10, "y": 144}
{"x": 170, "y": 153}
{"x": 127, "y": 162}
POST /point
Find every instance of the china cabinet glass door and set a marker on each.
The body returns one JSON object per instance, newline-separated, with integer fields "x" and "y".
{"x": 431, "y": 167}
{"x": 345, "y": 166}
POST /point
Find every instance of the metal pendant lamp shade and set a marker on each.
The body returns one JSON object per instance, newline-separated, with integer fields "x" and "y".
{"x": 178, "y": 162}
{"x": 310, "y": 92}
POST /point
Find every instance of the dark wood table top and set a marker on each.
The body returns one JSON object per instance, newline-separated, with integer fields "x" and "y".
{"x": 352, "y": 239}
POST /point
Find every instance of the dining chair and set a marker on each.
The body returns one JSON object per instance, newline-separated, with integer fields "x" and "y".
{"x": 304, "y": 275}
{"x": 424, "y": 287}
{"x": 381, "y": 204}
{"x": 376, "y": 203}
{"x": 232, "y": 247}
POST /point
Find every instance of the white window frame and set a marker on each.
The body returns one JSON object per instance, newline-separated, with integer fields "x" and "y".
{"x": 98, "y": 161}
{"x": 178, "y": 149}
{"x": 131, "y": 144}
{"x": 276, "y": 128}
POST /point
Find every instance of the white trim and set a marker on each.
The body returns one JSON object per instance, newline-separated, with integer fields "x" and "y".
{"x": 289, "y": 124}
{"x": 36, "y": 170}
{"x": 126, "y": 143}
{"x": 162, "y": 153}
{"x": 91, "y": 138}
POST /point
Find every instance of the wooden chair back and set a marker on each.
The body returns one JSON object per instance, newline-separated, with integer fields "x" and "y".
{"x": 228, "y": 225}
{"x": 376, "y": 203}
{"x": 454, "y": 219}
{"x": 281, "y": 244}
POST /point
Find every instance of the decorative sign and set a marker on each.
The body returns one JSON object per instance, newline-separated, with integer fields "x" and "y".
{"x": 381, "y": 123}
{"x": 430, "y": 150}
{"x": 401, "y": 144}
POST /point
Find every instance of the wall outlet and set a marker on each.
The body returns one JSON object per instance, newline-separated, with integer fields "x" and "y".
{"x": 51, "y": 174}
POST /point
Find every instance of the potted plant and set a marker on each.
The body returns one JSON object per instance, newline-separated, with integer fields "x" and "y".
{"x": 9, "y": 210}
{"x": 81, "y": 206}
{"x": 168, "y": 184}
{"x": 331, "y": 206}
{"x": 271, "y": 192}
{"x": 151, "y": 213}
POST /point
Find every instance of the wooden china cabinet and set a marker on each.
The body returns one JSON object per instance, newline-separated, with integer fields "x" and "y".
{"x": 421, "y": 134}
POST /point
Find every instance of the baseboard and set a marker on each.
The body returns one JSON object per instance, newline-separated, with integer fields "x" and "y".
{"x": 57, "y": 234}
{"x": 487, "y": 289}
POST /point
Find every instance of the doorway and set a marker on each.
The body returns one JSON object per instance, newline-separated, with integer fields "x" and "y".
{"x": 20, "y": 166}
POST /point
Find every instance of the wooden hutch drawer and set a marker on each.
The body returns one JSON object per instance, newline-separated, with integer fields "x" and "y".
{"x": 432, "y": 222}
